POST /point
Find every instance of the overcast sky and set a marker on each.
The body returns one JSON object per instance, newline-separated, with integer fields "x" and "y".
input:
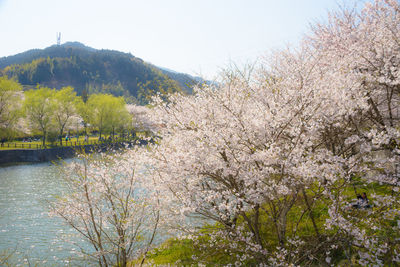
{"x": 193, "y": 36}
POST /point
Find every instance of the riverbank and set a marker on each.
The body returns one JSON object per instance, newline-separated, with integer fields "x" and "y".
{"x": 16, "y": 156}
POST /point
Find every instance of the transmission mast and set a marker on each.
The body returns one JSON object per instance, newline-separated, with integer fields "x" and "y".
{"x": 58, "y": 38}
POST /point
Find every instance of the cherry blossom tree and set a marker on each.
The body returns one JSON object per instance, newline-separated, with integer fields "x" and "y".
{"x": 108, "y": 204}
{"x": 270, "y": 157}
{"x": 276, "y": 153}
{"x": 139, "y": 117}
{"x": 364, "y": 47}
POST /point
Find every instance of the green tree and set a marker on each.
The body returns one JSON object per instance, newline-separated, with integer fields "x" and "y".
{"x": 10, "y": 105}
{"x": 107, "y": 112}
{"x": 98, "y": 112}
{"x": 84, "y": 111}
{"x": 119, "y": 116}
{"x": 65, "y": 103}
{"x": 39, "y": 107}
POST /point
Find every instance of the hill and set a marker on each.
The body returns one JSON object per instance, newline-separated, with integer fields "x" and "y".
{"x": 92, "y": 70}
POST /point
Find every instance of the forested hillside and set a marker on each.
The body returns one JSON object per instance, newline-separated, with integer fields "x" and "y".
{"x": 91, "y": 70}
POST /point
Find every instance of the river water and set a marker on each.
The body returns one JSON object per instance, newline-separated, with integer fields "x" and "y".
{"x": 26, "y": 230}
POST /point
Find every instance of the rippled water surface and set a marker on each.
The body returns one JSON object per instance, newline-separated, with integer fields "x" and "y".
{"x": 25, "y": 226}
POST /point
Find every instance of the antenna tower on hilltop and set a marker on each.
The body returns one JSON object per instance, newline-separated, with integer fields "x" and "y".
{"x": 58, "y": 38}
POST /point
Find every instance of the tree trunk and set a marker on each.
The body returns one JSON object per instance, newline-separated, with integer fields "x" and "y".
{"x": 61, "y": 136}
{"x": 124, "y": 258}
{"x": 282, "y": 219}
{"x": 310, "y": 213}
{"x": 44, "y": 139}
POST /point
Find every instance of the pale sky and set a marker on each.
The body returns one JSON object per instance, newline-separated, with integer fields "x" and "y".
{"x": 198, "y": 37}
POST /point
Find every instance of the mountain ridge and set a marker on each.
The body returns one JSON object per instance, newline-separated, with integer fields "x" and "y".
{"x": 94, "y": 70}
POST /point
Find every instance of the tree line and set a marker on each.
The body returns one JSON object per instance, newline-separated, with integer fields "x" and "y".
{"x": 53, "y": 113}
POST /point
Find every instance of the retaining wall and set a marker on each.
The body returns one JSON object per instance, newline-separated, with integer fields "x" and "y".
{"x": 43, "y": 155}
{"x": 40, "y": 155}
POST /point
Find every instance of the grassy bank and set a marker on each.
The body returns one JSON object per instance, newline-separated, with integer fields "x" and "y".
{"x": 308, "y": 225}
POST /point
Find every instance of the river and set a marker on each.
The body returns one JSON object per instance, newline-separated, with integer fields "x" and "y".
{"x": 25, "y": 227}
